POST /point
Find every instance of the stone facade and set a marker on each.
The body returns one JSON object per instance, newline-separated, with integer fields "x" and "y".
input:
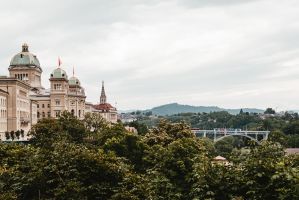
{"x": 23, "y": 99}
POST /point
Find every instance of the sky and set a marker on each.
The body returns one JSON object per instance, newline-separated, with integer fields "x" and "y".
{"x": 226, "y": 53}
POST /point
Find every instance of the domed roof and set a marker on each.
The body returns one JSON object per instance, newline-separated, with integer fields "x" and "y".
{"x": 74, "y": 81}
{"x": 25, "y": 58}
{"x": 59, "y": 73}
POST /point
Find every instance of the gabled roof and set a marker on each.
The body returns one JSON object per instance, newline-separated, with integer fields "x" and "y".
{"x": 103, "y": 106}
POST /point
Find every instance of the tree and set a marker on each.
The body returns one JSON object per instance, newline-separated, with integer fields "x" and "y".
{"x": 7, "y": 135}
{"x": 169, "y": 162}
{"x": 278, "y": 136}
{"x": 225, "y": 146}
{"x": 291, "y": 128}
{"x": 241, "y": 111}
{"x": 265, "y": 174}
{"x": 66, "y": 128}
{"x": 12, "y": 135}
{"x": 166, "y": 132}
{"x": 140, "y": 127}
{"x": 94, "y": 122}
{"x": 269, "y": 111}
{"x": 18, "y": 133}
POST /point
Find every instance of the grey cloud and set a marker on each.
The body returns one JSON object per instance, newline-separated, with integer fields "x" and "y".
{"x": 223, "y": 53}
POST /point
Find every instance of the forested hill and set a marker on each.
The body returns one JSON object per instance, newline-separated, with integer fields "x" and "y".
{"x": 175, "y": 108}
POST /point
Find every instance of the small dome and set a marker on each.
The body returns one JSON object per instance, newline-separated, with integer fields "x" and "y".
{"x": 59, "y": 73}
{"x": 74, "y": 81}
{"x": 25, "y": 58}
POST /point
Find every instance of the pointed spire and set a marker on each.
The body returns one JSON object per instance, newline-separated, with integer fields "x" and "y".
{"x": 59, "y": 62}
{"x": 73, "y": 71}
{"x": 103, "y": 94}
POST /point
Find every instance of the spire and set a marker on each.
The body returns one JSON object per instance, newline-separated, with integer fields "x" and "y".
{"x": 59, "y": 62}
{"x": 103, "y": 95}
{"x": 73, "y": 71}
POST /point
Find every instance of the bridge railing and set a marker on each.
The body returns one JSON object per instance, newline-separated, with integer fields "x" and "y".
{"x": 218, "y": 134}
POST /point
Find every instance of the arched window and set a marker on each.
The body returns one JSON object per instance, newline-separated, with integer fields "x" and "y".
{"x": 72, "y": 111}
{"x": 38, "y": 115}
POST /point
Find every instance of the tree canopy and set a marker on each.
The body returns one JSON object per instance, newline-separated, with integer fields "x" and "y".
{"x": 93, "y": 159}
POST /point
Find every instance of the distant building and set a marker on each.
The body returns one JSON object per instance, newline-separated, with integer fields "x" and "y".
{"x": 106, "y": 110}
{"x": 220, "y": 160}
{"x": 127, "y": 117}
{"x": 131, "y": 129}
{"x": 290, "y": 151}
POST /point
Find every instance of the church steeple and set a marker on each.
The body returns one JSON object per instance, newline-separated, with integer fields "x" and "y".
{"x": 103, "y": 95}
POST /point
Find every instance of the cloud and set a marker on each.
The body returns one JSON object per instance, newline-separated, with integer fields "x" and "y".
{"x": 232, "y": 54}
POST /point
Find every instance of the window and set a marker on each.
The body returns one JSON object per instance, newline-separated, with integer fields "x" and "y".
{"x": 38, "y": 115}
{"x": 79, "y": 113}
{"x": 73, "y": 112}
{"x": 57, "y": 102}
{"x": 48, "y": 105}
{"x": 44, "y": 114}
{"x": 57, "y": 113}
{"x": 37, "y": 105}
{"x": 43, "y": 105}
{"x": 57, "y": 86}
{"x": 49, "y": 114}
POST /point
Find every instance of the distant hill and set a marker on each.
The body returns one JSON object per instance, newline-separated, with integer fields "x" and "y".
{"x": 175, "y": 108}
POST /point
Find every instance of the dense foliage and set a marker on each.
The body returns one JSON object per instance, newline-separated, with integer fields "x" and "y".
{"x": 92, "y": 159}
{"x": 287, "y": 124}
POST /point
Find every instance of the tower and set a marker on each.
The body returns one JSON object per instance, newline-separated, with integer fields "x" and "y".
{"x": 76, "y": 97}
{"x": 26, "y": 67}
{"x": 103, "y": 98}
{"x": 59, "y": 92}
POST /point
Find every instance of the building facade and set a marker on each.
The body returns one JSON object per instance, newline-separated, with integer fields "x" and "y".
{"x": 24, "y": 101}
{"x": 105, "y": 109}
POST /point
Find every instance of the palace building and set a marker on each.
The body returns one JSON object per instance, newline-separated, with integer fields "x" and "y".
{"x": 23, "y": 99}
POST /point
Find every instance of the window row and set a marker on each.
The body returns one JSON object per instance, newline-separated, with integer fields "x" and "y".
{"x": 80, "y": 113}
{"x": 2, "y": 102}
{"x": 21, "y": 76}
{"x": 3, "y": 113}
{"x": 42, "y": 105}
{"x": 57, "y": 86}
{"x": 43, "y": 114}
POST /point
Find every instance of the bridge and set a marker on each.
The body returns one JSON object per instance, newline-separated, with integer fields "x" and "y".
{"x": 219, "y": 134}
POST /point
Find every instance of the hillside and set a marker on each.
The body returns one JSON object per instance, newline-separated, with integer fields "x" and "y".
{"x": 175, "y": 108}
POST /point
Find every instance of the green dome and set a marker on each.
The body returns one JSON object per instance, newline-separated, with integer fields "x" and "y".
{"x": 74, "y": 81}
{"x": 59, "y": 73}
{"x": 25, "y": 58}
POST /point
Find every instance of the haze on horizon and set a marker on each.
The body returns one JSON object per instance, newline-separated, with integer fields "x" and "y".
{"x": 237, "y": 54}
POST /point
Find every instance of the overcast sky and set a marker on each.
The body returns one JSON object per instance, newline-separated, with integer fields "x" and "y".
{"x": 227, "y": 53}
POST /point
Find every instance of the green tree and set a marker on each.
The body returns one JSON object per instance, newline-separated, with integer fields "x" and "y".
{"x": 269, "y": 111}
{"x": 94, "y": 122}
{"x": 278, "y": 136}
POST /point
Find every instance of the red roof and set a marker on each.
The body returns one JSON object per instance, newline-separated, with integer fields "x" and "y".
{"x": 103, "y": 106}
